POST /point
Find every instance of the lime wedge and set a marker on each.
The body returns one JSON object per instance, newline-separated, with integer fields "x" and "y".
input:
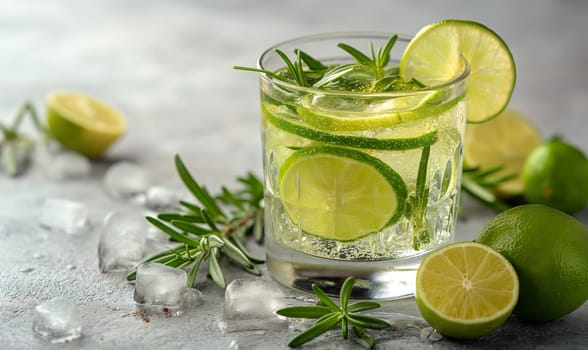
{"x": 82, "y": 123}
{"x": 504, "y": 141}
{"x": 390, "y": 112}
{"x": 340, "y": 194}
{"x": 433, "y": 57}
{"x": 466, "y": 290}
{"x": 287, "y": 121}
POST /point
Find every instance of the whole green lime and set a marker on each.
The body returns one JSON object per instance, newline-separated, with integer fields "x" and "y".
{"x": 549, "y": 251}
{"x": 555, "y": 174}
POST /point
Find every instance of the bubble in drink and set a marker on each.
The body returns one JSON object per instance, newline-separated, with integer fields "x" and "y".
{"x": 57, "y": 320}
{"x": 122, "y": 242}
{"x": 64, "y": 215}
{"x": 250, "y": 304}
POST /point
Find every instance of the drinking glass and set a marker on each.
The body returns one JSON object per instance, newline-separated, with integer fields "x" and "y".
{"x": 357, "y": 183}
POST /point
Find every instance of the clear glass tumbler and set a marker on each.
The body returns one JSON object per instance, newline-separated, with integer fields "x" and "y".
{"x": 357, "y": 183}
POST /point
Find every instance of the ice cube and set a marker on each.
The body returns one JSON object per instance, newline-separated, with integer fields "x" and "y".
{"x": 64, "y": 215}
{"x": 250, "y": 304}
{"x": 67, "y": 165}
{"x": 122, "y": 242}
{"x": 125, "y": 180}
{"x": 159, "y": 197}
{"x": 192, "y": 298}
{"x": 160, "y": 285}
{"x": 57, "y": 320}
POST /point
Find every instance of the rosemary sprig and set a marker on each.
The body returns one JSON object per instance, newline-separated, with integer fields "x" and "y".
{"x": 478, "y": 184}
{"x": 16, "y": 148}
{"x": 329, "y": 315}
{"x": 419, "y": 203}
{"x": 378, "y": 60}
{"x": 308, "y": 71}
{"x": 211, "y": 228}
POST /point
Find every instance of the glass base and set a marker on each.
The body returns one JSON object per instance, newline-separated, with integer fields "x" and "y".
{"x": 375, "y": 280}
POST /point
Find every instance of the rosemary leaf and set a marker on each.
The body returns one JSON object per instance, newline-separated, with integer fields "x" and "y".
{"x": 174, "y": 234}
{"x": 198, "y": 259}
{"x": 199, "y": 192}
{"x": 180, "y": 217}
{"x": 324, "y": 298}
{"x": 384, "y": 55}
{"x": 345, "y": 292}
{"x": 316, "y": 330}
{"x": 367, "y": 321}
{"x": 214, "y": 269}
{"x": 310, "y": 61}
{"x": 304, "y": 311}
{"x": 344, "y": 327}
{"x": 190, "y": 227}
{"x": 362, "y": 306}
{"x": 359, "y": 56}
{"x": 365, "y": 338}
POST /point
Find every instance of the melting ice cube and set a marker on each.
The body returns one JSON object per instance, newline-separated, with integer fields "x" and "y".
{"x": 64, "y": 215}
{"x": 126, "y": 180}
{"x": 160, "y": 285}
{"x": 67, "y": 165}
{"x": 159, "y": 197}
{"x": 250, "y": 304}
{"x": 122, "y": 242}
{"x": 57, "y": 320}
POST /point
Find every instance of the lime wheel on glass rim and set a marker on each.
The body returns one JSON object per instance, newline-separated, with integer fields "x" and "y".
{"x": 434, "y": 56}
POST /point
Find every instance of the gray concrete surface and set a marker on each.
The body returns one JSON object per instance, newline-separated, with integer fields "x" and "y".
{"x": 167, "y": 66}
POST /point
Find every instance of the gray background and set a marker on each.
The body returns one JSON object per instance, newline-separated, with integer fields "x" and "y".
{"x": 167, "y": 66}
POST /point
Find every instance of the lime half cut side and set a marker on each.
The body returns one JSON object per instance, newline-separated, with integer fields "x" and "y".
{"x": 83, "y": 123}
{"x": 466, "y": 290}
{"x": 505, "y": 141}
{"x": 340, "y": 194}
{"x": 435, "y": 54}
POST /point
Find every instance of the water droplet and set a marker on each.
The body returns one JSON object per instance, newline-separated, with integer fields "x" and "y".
{"x": 70, "y": 267}
{"x": 26, "y": 269}
{"x": 431, "y": 335}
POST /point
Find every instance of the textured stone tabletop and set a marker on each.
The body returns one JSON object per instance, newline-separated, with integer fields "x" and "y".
{"x": 167, "y": 66}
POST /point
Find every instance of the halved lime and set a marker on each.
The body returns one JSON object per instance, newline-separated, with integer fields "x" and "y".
{"x": 277, "y": 117}
{"x": 377, "y": 115}
{"x": 466, "y": 290}
{"x": 83, "y": 123}
{"x": 340, "y": 194}
{"x": 434, "y": 57}
{"x": 504, "y": 141}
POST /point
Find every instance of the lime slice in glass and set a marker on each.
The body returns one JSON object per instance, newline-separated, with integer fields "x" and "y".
{"x": 282, "y": 118}
{"x": 466, "y": 290}
{"x": 434, "y": 57}
{"x": 376, "y": 115}
{"x": 83, "y": 123}
{"x": 340, "y": 194}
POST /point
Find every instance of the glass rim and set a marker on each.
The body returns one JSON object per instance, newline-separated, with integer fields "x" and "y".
{"x": 461, "y": 76}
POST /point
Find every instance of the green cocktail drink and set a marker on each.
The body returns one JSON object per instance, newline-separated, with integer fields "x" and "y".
{"x": 362, "y": 168}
